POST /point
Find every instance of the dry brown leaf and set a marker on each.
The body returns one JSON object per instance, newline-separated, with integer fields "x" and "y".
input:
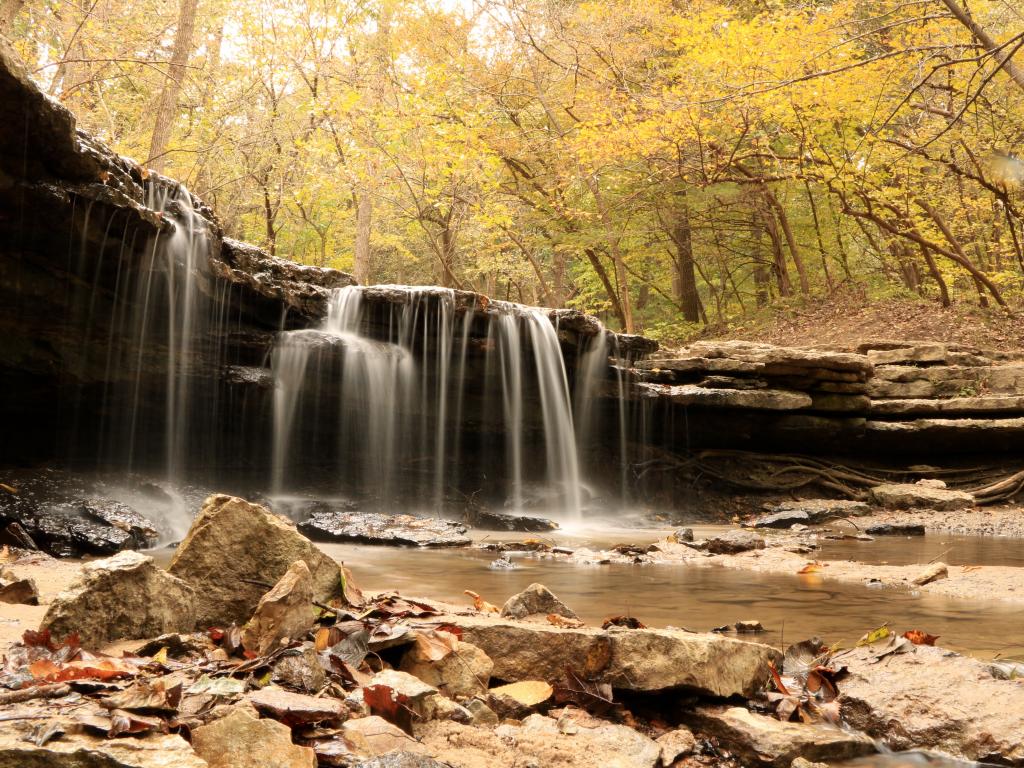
{"x": 480, "y": 604}
{"x": 435, "y": 645}
{"x": 918, "y": 637}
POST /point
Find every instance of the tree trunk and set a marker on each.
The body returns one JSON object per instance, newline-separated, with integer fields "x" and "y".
{"x": 981, "y": 281}
{"x": 933, "y": 270}
{"x": 168, "y": 104}
{"x": 684, "y": 276}
{"x": 771, "y": 226}
{"x": 602, "y": 273}
{"x": 821, "y": 239}
{"x": 787, "y": 231}
{"x": 364, "y": 220}
{"x": 1001, "y": 54}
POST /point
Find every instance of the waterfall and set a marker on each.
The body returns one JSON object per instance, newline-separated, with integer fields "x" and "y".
{"x": 559, "y": 434}
{"x": 399, "y": 410}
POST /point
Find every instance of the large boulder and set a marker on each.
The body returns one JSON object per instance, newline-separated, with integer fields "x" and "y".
{"x": 760, "y": 740}
{"x": 122, "y": 597}
{"x": 285, "y": 613}
{"x": 535, "y": 599}
{"x": 932, "y": 699}
{"x": 242, "y": 740}
{"x": 631, "y": 659}
{"x": 917, "y": 495}
{"x": 235, "y": 550}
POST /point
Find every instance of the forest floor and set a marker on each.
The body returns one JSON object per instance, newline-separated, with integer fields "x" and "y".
{"x": 848, "y": 317}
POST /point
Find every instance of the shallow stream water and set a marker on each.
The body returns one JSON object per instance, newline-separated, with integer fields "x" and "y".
{"x": 700, "y": 598}
{"x": 791, "y": 608}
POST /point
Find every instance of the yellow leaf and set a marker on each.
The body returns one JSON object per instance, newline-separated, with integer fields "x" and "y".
{"x": 873, "y": 637}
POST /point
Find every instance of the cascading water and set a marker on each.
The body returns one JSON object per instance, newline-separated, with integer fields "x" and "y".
{"x": 400, "y": 406}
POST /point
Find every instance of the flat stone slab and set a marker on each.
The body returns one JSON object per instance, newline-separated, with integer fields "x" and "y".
{"x": 631, "y": 659}
{"x": 394, "y": 530}
{"x": 932, "y": 699}
{"x": 817, "y": 510}
{"x": 761, "y": 740}
{"x": 754, "y": 399}
{"x": 923, "y": 406}
{"x": 913, "y": 495}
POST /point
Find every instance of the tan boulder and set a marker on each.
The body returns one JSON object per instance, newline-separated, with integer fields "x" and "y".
{"x": 632, "y": 659}
{"x": 760, "y": 740}
{"x": 463, "y": 673}
{"x": 931, "y": 699}
{"x": 239, "y": 740}
{"x": 234, "y": 548}
{"x": 374, "y": 736}
{"x": 285, "y": 613}
{"x": 535, "y": 599}
{"x": 121, "y": 597}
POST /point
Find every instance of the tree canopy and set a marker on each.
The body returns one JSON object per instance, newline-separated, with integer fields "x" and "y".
{"x": 667, "y": 164}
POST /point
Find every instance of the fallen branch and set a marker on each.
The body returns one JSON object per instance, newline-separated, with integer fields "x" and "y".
{"x": 54, "y": 691}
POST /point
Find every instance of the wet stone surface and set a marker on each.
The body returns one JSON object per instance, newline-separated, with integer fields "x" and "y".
{"x": 395, "y": 530}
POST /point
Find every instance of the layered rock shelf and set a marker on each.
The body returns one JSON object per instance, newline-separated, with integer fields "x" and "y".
{"x": 883, "y": 396}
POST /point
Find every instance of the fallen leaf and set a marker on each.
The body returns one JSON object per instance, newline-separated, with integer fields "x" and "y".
{"x": 435, "y": 645}
{"x": 917, "y": 637}
{"x": 146, "y": 695}
{"x": 480, "y": 604}
{"x": 45, "y": 670}
{"x": 217, "y": 686}
{"x": 811, "y": 568}
{"x": 132, "y": 722}
{"x": 386, "y": 702}
{"x": 629, "y": 622}
{"x": 873, "y": 637}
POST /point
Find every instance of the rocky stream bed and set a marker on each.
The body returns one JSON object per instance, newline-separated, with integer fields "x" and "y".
{"x": 256, "y": 648}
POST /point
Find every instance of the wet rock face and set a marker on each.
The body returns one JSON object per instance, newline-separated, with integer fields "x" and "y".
{"x": 59, "y": 516}
{"x": 498, "y": 521}
{"x": 374, "y": 528}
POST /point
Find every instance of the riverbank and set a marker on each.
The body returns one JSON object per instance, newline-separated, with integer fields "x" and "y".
{"x": 363, "y": 679}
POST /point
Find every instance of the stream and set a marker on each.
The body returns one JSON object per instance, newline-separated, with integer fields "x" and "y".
{"x": 699, "y": 598}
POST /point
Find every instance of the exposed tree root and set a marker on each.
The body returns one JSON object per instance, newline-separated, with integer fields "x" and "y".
{"x": 783, "y": 473}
